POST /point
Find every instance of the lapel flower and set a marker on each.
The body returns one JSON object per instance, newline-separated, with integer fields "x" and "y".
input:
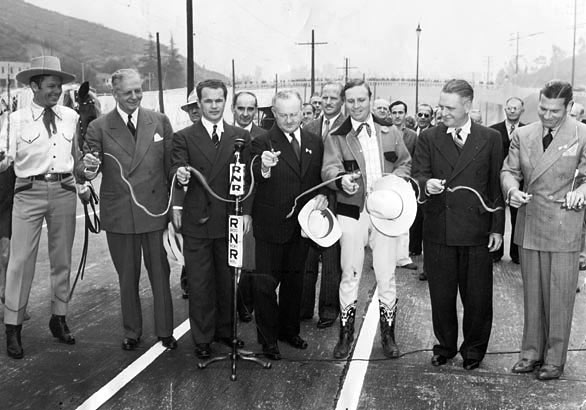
{"x": 308, "y": 151}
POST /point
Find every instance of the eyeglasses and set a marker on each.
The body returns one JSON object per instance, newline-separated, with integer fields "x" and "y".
{"x": 423, "y": 115}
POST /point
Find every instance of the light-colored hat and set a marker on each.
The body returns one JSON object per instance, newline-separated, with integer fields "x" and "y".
{"x": 392, "y": 205}
{"x": 173, "y": 244}
{"x": 44, "y": 65}
{"x": 320, "y": 226}
{"x": 192, "y": 99}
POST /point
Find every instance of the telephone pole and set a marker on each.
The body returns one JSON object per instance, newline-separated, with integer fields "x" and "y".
{"x": 346, "y": 69}
{"x": 190, "y": 56}
{"x": 312, "y": 44}
{"x": 233, "y": 79}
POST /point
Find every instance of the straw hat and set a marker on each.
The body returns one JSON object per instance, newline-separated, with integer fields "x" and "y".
{"x": 320, "y": 226}
{"x": 173, "y": 244}
{"x": 44, "y": 65}
{"x": 192, "y": 99}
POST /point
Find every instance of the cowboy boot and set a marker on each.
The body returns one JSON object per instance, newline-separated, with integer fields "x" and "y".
{"x": 13, "y": 342}
{"x": 387, "y": 330}
{"x": 344, "y": 344}
{"x": 60, "y": 330}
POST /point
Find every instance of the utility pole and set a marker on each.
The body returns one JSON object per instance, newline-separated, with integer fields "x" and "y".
{"x": 312, "y": 44}
{"x": 574, "y": 47}
{"x": 190, "y": 57}
{"x": 418, "y": 32}
{"x": 517, "y": 56}
{"x": 161, "y": 104}
{"x": 346, "y": 69}
{"x": 233, "y": 79}
{"x": 276, "y": 83}
{"x": 82, "y": 72}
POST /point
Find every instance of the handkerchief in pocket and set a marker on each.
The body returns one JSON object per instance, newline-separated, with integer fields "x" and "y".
{"x": 157, "y": 137}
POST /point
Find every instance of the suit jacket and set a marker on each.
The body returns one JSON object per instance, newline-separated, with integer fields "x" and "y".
{"x": 502, "y": 128}
{"x": 256, "y": 131}
{"x": 275, "y": 195}
{"x": 458, "y": 218}
{"x": 543, "y": 224}
{"x": 145, "y": 164}
{"x": 315, "y": 126}
{"x": 203, "y": 215}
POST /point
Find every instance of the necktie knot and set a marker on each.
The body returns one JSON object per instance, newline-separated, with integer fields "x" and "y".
{"x": 131, "y": 126}
{"x": 215, "y": 137}
{"x": 365, "y": 126}
{"x": 458, "y": 140}
{"x": 547, "y": 139}
{"x": 49, "y": 121}
{"x": 326, "y": 129}
{"x": 512, "y": 129}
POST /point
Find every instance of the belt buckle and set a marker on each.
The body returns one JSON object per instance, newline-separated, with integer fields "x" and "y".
{"x": 49, "y": 177}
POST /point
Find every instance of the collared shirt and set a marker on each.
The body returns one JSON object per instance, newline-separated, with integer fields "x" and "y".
{"x": 247, "y": 128}
{"x": 370, "y": 151}
{"x": 508, "y": 126}
{"x": 124, "y": 116}
{"x": 332, "y": 121}
{"x": 554, "y": 130}
{"x": 464, "y": 130}
{"x": 32, "y": 149}
{"x": 297, "y": 134}
{"x": 209, "y": 126}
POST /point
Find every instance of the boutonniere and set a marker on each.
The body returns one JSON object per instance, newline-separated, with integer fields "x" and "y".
{"x": 308, "y": 151}
{"x": 563, "y": 147}
{"x": 384, "y": 129}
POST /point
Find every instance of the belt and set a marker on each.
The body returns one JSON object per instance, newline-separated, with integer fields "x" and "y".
{"x": 50, "y": 177}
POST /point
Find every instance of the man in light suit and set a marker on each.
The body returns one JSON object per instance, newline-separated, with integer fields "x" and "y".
{"x": 458, "y": 232}
{"x": 140, "y": 140}
{"x": 550, "y": 157}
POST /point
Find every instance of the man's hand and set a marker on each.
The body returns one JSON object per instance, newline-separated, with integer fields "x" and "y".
{"x": 91, "y": 162}
{"x": 574, "y": 200}
{"x": 183, "y": 175}
{"x": 435, "y": 186}
{"x": 176, "y": 215}
{"x": 495, "y": 240}
{"x": 269, "y": 159}
{"x": 84, "y": 194}
{"x": 518, "y": 198}
{"x": 246, "y": 223}
{"x": 348, "y": 184}
{"x": 321, "y": 202}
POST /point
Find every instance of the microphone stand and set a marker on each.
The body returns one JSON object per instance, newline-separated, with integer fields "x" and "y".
{"x": 235, "y": 256}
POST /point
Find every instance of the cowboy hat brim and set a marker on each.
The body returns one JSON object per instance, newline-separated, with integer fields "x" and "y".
{"x": 401, "y": 224}
{"x": 324, "y": 239}
{"x": 25, "y": 76}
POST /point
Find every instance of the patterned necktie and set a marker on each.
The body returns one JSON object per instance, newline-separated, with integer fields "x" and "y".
{"x": 49, "y": 121}
{"x": 458, "y": 138}
{"x": 326, "y": 129}
{"x": 215, "y": 138}
{"x": 364, "y": 125}
{"x": 295, "y": 146}
{"x": 131, "y": 126}
{"x": 512, "y": 129}
{"x": 547, "y": 139}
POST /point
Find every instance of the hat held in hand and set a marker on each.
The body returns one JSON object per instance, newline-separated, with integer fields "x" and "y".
{"x": 321, "y": 226}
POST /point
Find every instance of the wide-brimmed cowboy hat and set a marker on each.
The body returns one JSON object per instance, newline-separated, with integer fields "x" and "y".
{"x": 44, "y": 65}
{"x": 173, "y": 244}
{"x": 321, "y": 226}
{"x": 392, "y": 205}
{"x": 192, "y": 99}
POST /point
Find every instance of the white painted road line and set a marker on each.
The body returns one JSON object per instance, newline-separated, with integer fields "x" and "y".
{"x": 99, "y": 398}
{"x": 352, "y": 387}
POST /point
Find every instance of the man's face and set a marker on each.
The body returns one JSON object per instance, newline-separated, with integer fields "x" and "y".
{"x": 424, "y": 117}
{"x": 316, "y": 102}
{"x": 212, "y": 104}
{"x": 331, "y": 100}
{"x": 244, "y": 110}
{"x": 128, "y": 93}
{"x": 454, "y": 109}
{"x": 380, "y": 109}
{"x": 398, "y": 115}
{"x": 551, "y": 111}
{"x": 577, "y": 111}
{"x": 287, "y": 114}
{"x": 438, "y": 117}
{"x": 47, "y": 95}
{"x": 194, "y": 112}
{"x": 358, "y": 103}
{"x": 513, "y": 110}
{"x": 307, "y": 114}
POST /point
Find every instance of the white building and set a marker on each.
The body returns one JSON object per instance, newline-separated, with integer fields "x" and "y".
{"x": 11, "y": 68}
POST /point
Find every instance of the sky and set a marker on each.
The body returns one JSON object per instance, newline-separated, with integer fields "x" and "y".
{"x": 459, "y": 38}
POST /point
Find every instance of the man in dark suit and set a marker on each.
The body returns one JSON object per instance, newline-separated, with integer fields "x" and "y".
{"x": 208, "y": 146}
{"x": 291, "y": 161}
{"x": 140, "y": 140}
{"x": 514, "y": 108}
{"x": 458, "y": 232}
{"x": 329, "y": 302}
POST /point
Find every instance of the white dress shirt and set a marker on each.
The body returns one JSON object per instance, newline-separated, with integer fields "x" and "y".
{"x": 209, "y": 126}
{"x": 370, "y": 151}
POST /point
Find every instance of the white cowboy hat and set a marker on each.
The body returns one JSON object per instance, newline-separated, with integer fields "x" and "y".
{"x": 392, "y": 205}
{"x": 173, "y": 244}
{"x": 320, "y": 226}
{"x": 192, "y": 99}
{"x": 44, "y": 65}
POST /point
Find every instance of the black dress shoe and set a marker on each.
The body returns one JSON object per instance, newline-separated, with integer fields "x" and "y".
{"x": 471, "y": 364}
{"x": 129, "y": 343}
{"x": 422, "y": 276}
{"x": 271, "y": 351}
{"x": 203, "y": 350}
{"x": 526, "y": 366}
{"x": 325, "y": 323}
{"x": 245, "y": 316}
{"x": 414, "y": 253}
{"x": 295, "y": 341}
{"x": 410, "y": 266}
{"x": 59, "y": 329}
{"x": 13, "y": 342}
{"x": 515, "y": 260}
{"x": 438, "y": 360}
{"x": 228, "y": 341}
{"x": 550, "y": 372}
{"x": 169, "y": 342}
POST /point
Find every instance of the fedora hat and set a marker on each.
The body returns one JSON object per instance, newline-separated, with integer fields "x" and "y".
{"x": 392, "y": 205}
{"x": 173, "y": 244}
{"x": 192, "y": 99}
{"x": 321, "y": 226}
{"x": 44, "y": 65}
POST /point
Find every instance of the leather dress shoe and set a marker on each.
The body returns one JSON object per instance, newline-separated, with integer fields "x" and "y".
{"x": 325, "y": 323}
{"x": 13, "y": 341}
{"x": 550, "y": 372}
{"x": 526, "y": 366}
{"x": 203, "y": 350}
{"x": 295, "y": 341}
{"x": 422, "y": 276}
{"x": 169, "y": 342}
{"x": 59, "y": 329}
{"x": 130, "y": 343}
{"x": 271, "y": 351}
{"x": 245, "y": 316}
{"x": 438, "y": 360}
{"x": 471, "y": 364}
{"x": 228, "y": 341}
{"x": 515, "y": 260}
{"x": 414, "y": 253}
{"x": 410, "y": 266}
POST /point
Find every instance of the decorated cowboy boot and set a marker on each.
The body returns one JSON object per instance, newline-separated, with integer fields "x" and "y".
{"x": 344, "y": 344}
{"x": 387, "y": 330}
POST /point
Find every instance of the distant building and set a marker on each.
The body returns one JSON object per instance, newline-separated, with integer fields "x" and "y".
{"x": 11, "y": 68}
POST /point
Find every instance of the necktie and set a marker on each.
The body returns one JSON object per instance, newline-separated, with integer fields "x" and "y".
{"x": 49, "y": 121}
{"x": 215, "y": 138}
{"x": 364, "y": 125}
{"x": 547, "y": 139}
{"x": 458, "y": 138}
{"x": 512, "y": 129}
{"x": 131, "y": 126}
{"x": 295, "y": 146}
{"x": 326, "y": 129}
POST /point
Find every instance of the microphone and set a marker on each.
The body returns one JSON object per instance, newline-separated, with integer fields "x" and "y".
{"x": 239, "y": 144}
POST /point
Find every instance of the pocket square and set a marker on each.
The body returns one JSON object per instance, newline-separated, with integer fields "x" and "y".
{"x": 571, "y": 152}
{"x": 157, "y": 137}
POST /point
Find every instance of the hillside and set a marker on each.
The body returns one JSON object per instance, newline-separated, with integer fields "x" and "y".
{"x": 28, "y": 31}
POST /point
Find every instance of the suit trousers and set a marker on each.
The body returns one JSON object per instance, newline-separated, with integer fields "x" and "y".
{"x": 356, "y": 234}
{"x": 126, "y": 251}
{"x": 549, "y": 293}
{"x": 513, "y": 248}
{"x": 416, "y": 233}
{"x": 403, "y": 257}
{"x": 210, "y": 288}
{"x": 279, "y": 264}
{"x": 35, "y": 202}
{"x": 245, "y": 304}
{"x": 469, "y": 270}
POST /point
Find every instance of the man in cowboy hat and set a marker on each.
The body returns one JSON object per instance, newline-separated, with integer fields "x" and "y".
{"x": 362, "y": 144}
{"x": 42, "y": 144}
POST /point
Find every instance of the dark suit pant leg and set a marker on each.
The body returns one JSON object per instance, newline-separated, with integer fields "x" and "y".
{"x": 223, "y": 283}
{"x": 125, "y": 251}
{"x": 416, "y": 233}
{"x": 309, "y": 281}
{"x": 245, "y": 303}
{"x": 157, "y": 265}
{"x": 513, "y": 249}
{"x": 292, "y": 287}
{"x": 329, "y": 291}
